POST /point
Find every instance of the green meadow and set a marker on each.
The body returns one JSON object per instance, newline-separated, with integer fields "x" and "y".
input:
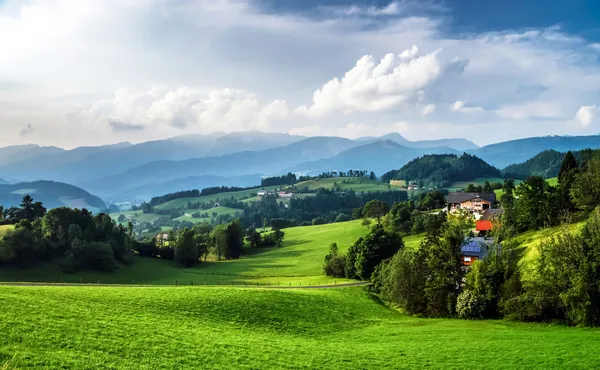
{"x": 346, "y": 183}
{"x": 183, "y": 202}
{"x": 258, "y": 328}
{"x": 5, "y": 228}
{"x": 299, "y": 261}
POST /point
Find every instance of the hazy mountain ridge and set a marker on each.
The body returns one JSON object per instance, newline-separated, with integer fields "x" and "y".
{"x": 379, "y": 156}
{"x": 518, "y": 151}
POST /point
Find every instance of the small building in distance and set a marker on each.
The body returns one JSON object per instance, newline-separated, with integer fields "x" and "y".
{"x": 283, "y": 194}
{"x": 474, "y": 249}
{"x": 474, "y": 202}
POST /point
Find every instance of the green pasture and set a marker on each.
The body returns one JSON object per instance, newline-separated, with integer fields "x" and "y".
{"x": 257, "y": 328}
{"x": 299, "y": 261}
{"x": 243, "y": 194}
{"x": 346, "y": 183}
{"x": 5, "y": 228}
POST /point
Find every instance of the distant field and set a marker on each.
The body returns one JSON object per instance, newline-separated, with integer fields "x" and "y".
{"x": 178, "y": 203}
{"x": 138, "y": 216}
{"x": 212, "y": 213}
{"x": 229, "y": 328}
{"x": 354, "y": 183}
{"x": 478, "y": 181}
{"x": 552, "y": 181}
{"x": 299, "y": 261}
{"x": 5, "y": 228}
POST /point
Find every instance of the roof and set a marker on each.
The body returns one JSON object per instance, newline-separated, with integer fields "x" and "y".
{"x": 473, "y": 248}
{"x": 483, "y": 225}
{"x": 492, "y": 214}
{"x": 460, "y": 197}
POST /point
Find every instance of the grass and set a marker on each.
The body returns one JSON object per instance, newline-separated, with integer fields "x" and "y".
{"x": 183, "y": 202}
{"x": 346, "y": 183}
{"x": 531, "y": 240}
{"x": 5, "y": 228}
{"x": 229, "y": 328}
{"x": 478, "y": 181}
{"x": 299, "y": 261}
{"x": 213, "y": 212}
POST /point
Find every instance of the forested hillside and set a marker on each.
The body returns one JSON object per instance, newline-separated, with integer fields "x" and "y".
{"x": 443, "y": 170}
{"x": 546, "y": 164}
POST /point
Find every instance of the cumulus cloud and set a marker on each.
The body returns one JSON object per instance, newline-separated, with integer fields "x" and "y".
{"x": 428, "y": 109}
{"x": 586, "y": 114}
{"x": 221, "y": 110}
{"x": 67, "y": 58}
{"x": 376, "y": 87}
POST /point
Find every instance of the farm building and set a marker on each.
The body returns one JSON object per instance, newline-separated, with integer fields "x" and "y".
{"x": 474, "y": 202}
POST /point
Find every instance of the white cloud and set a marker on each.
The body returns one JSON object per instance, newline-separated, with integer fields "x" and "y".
{"x": 586, "y": 114}
{"x": 376, "y": 87}
{"x": 459, "y": 106}
{"x": 222, "y": 110}
{"x": 428, "y": 109}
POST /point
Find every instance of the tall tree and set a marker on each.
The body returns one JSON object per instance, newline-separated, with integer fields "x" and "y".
{"x": 566, "y": 178}
{"x": 27, "y": 209}
{"x": 186, "y": 251}
{"x": 375, "y": 209}
{"x": 535, "y": 204}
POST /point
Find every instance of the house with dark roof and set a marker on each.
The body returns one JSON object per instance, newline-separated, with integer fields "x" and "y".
{"x": 474, "y": 249}
{"x": 474, "y": 202}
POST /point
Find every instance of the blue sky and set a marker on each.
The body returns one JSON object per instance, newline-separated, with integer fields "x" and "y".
{"x": 101, "y": 71}
{"x": 578, "y": 17}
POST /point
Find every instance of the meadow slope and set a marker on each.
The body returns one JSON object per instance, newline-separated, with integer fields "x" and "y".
{"x": 231, "y": 328}
{"x": 299, "y": 261}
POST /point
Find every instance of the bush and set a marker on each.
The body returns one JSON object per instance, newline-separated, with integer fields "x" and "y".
{"x": 319, "y": 221}
{"x": 470, "y": 305}
{"x": 335, "y": 263}
{"x": 342, "y": 217}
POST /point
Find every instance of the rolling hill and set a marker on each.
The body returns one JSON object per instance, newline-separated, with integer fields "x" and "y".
{"x": 237, "y": 328}
{"x": 52, "y": 194}
{"x": 545, "y": 164}
{"x": 443, "y": 170}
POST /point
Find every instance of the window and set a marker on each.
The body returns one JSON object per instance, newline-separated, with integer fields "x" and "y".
{"x": 467, "y": 259}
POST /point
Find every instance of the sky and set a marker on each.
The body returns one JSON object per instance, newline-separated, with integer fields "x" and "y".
{"x": 95, "y": 72}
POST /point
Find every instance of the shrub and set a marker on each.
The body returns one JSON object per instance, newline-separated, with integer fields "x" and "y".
{"x": 470, "y": 305}
{"x": 335, "y": 263}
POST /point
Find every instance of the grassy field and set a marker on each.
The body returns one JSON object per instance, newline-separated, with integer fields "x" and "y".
{"x": 5, "y": 228}
{"x": 478, "y": 181}
{"x": 212, "y": 213}
{"x": 178, "y": 203}
{"x": 299, "y": 261}
{"x": 234, "y": 328}
{"x": 346, "y": 183}
{"x": 531, "y": 240}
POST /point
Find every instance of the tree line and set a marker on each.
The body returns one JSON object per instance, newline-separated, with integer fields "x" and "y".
{"x": 75, "y": 238}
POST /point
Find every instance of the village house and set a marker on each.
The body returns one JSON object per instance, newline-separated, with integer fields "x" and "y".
{"x": 283, "y": 194}
{"x": 474, "y": 249}
{"x": 474, "y": 202}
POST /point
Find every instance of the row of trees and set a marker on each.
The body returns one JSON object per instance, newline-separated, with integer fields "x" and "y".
{"x": 191, "y": 246}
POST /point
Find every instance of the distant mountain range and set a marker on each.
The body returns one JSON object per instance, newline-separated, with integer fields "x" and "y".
{"x": 52, "y": 194}
{"x": 518, "y": 151}
{"x": 127, "y": 171}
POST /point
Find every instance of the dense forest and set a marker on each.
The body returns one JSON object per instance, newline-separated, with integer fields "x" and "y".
{"x": 545, "y": 164}
{"x": 441, "y": 170}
